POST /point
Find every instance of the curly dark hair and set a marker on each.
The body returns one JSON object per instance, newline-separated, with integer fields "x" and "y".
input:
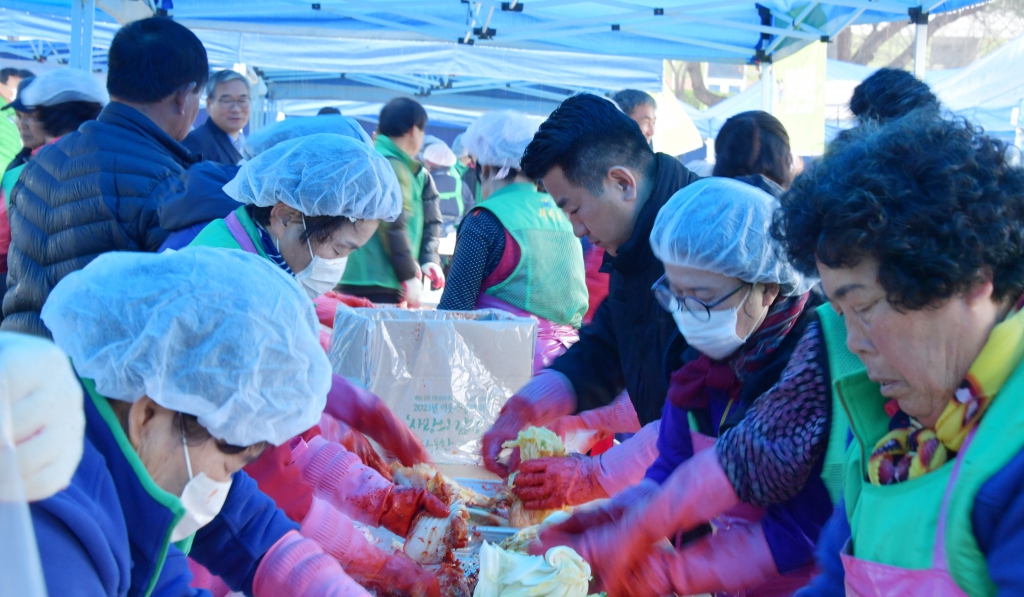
{"x": 936, "y": 202}
{"x": 890, "y": 93}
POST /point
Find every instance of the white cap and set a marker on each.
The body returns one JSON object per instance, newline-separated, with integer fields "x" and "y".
{"x": 58, "y": 86}
{"x": 438, "y": 153}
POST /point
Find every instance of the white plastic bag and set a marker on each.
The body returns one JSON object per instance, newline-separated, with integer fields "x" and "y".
{"x": 445, "y": 373}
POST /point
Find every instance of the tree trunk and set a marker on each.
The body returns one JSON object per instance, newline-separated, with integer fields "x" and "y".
{"x": 866, "y": 52}
{"x": 700, "y": 90}
{"x": 844, "y": 45}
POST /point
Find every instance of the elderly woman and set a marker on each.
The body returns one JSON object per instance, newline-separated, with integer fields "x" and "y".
{"x": 917, "y": 230}
{"x": 756, "y": 378}
{"x": 192, "y": 362}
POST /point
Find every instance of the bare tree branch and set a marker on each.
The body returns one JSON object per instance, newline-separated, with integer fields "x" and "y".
{"x": 700, "y": 90}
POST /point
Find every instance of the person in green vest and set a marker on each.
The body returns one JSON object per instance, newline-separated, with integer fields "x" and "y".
{"x": 465, "y": 166}
{"x": 389, "y": 268}
{"x": 455, "y": 197}
{"x": 516, "y": 250}
{"x": 749, "y": 440}
{"x": 916, "y": 228}
{"x": 10, "y": 139}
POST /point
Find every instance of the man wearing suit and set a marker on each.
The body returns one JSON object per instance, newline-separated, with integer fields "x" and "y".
{"x": 220, "y": 138}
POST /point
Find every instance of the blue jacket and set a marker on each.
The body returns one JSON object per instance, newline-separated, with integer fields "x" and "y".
{"x": 96, "y": 190}
{"x": 997, "y": 520}
{"x": 213, "y": 144}
{"x": 204, "y": 201}
{"x": 625, "y": 344}
{"x": 105, "y": 535}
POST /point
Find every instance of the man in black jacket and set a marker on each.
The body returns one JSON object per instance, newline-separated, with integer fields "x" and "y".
{"x": 220, "y": 138}
{"x": 98, "y": 189}
{"x": 597, "y": 165}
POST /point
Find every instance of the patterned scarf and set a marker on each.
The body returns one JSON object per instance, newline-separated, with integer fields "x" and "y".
{"x": 910, "y": 450}
{"x": 693, "y": 384}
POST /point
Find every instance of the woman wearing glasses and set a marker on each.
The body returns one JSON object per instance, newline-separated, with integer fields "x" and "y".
{"x": 763, "y": 457}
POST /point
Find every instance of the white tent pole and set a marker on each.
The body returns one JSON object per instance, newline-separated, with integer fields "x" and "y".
{"x": 83, "y": 13}
{"x": 767, "y": 87}
{"x": 920, "y": 43}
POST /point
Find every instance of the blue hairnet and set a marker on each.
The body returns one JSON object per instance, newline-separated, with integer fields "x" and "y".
{"x": 223, "y": 335}
{"x": 459, "y": 147}
{"x": 722, "y": 225}
{"x": 321, "y": 175}
{"x": 293, "y": 128}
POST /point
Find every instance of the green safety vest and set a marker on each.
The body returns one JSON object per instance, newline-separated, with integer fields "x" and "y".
{"x": 455, "y": 195}
{"x": 896, "y": 524}
{"x": 216, "y": 234}
{"x": 10, "y": 138}
{"x": 550, "y": 280}
{"x": 370, "y": 265}
{"x": 9, "y": 180}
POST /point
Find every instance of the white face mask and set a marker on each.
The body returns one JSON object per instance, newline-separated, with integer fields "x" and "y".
{"x": 321, "y": 275}
{"x": 202, "y": 498}
{"x": 716, "y": 337}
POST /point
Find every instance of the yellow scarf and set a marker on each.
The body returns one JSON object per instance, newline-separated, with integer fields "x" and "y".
{"x": 910, "y": 450}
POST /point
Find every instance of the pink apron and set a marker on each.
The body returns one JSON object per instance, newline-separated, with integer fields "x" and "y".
{"x": 871, "y": 579}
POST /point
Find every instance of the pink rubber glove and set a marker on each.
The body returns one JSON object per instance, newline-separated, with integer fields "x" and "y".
{"x": 568, "y": 532}
{"x": 695, "y": 493}
{"x": 546, "y": 397}
{"x": 365, "y": 412}
{"x": 296, "y": 567}
{"x": 729, "y": 561}
{"x": 617, "y": 417}
{"x": 627, "y": 463}
{"x": 371, "y": 567}
{"x": 337, "y": 431}
{"x": 551, "y": 483}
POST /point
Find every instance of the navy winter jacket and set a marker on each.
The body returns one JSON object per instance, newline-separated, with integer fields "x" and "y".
{"x": 625, "y": 345}
{"x": 204, "y": 201}
{"x": 94, "y": 191}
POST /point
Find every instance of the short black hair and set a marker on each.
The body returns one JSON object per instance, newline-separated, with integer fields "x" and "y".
{"x": 328, "y": 110}
{"x": 936, "y": 202}
{"x": 152, "y": 58}
{"x": 398, "y": 116}
{"x": 629, "y": 99}
{"x": 890, "y": 93}
{"x": 319, "y": 229}
{"x": 65, "y": 117}
{"x": 754, "y": 142}
{"x": 585, "y": 136}
{"x": 7, "y": 73}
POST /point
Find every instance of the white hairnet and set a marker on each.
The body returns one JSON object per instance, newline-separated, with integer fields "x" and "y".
{"x": 63, "y": 85}
{"x": 292, "y": 128}
{"x": 438, "y": 153}
{"x": 223, "y": 335}
{"x": 500, "y": 138}
{"x": 722, "y": 225}
{"x": 321, "y": 175}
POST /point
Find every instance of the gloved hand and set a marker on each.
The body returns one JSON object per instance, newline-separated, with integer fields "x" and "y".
{"x": 729, "y": 561}
{"x": 695, "y": 493}
{"x": 566, "y": 533}
{"x": 297, "y": 567}
{"x": 368, "y": 565}
{"x": 334, "y": 430}
{"x": 552, "y": 483}
{"x": 365, "y": 412}
{"x": 403, "y": 504}
{"x": 617, "y": 417}
{"x": 337, "y": 476}
{"x": 546, "y": 397}
{"x": 436, "y": 275}
{"x": 44, "y": 398}
{"x": 411, "y": 291}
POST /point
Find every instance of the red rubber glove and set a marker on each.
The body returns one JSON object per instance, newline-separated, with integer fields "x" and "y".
{"x": 403, "y": 504}
{"x": 434, "y": 272}
{"x": 365, "y": 412}
{"x": 546, "y": 397}
{"x": 356, "y": 443}
{"x": 283, "y": 483}
{"x": 551, "y": 483}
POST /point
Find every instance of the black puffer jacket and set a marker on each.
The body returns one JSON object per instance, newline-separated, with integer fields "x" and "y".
{"x": 625, "y": 345}
{"x": 96, "y": 190}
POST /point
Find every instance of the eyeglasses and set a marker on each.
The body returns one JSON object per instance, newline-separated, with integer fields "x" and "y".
{"x": 671, "y": 302}
{"x": 230, "y": 103}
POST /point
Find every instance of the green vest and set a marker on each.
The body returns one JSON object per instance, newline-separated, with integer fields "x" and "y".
{"x": 462, "y": 169}
{"x": 550, "y": 280}
{"x": 370, "y": 265}
{"x": 896, "y": 524}
{"x": 216, "y": 234}
{"x": 162, "y": 497}
{"x": 10, "y": 138}
{"x": 455, "y": 195}
{"x": 9, "y": 180}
